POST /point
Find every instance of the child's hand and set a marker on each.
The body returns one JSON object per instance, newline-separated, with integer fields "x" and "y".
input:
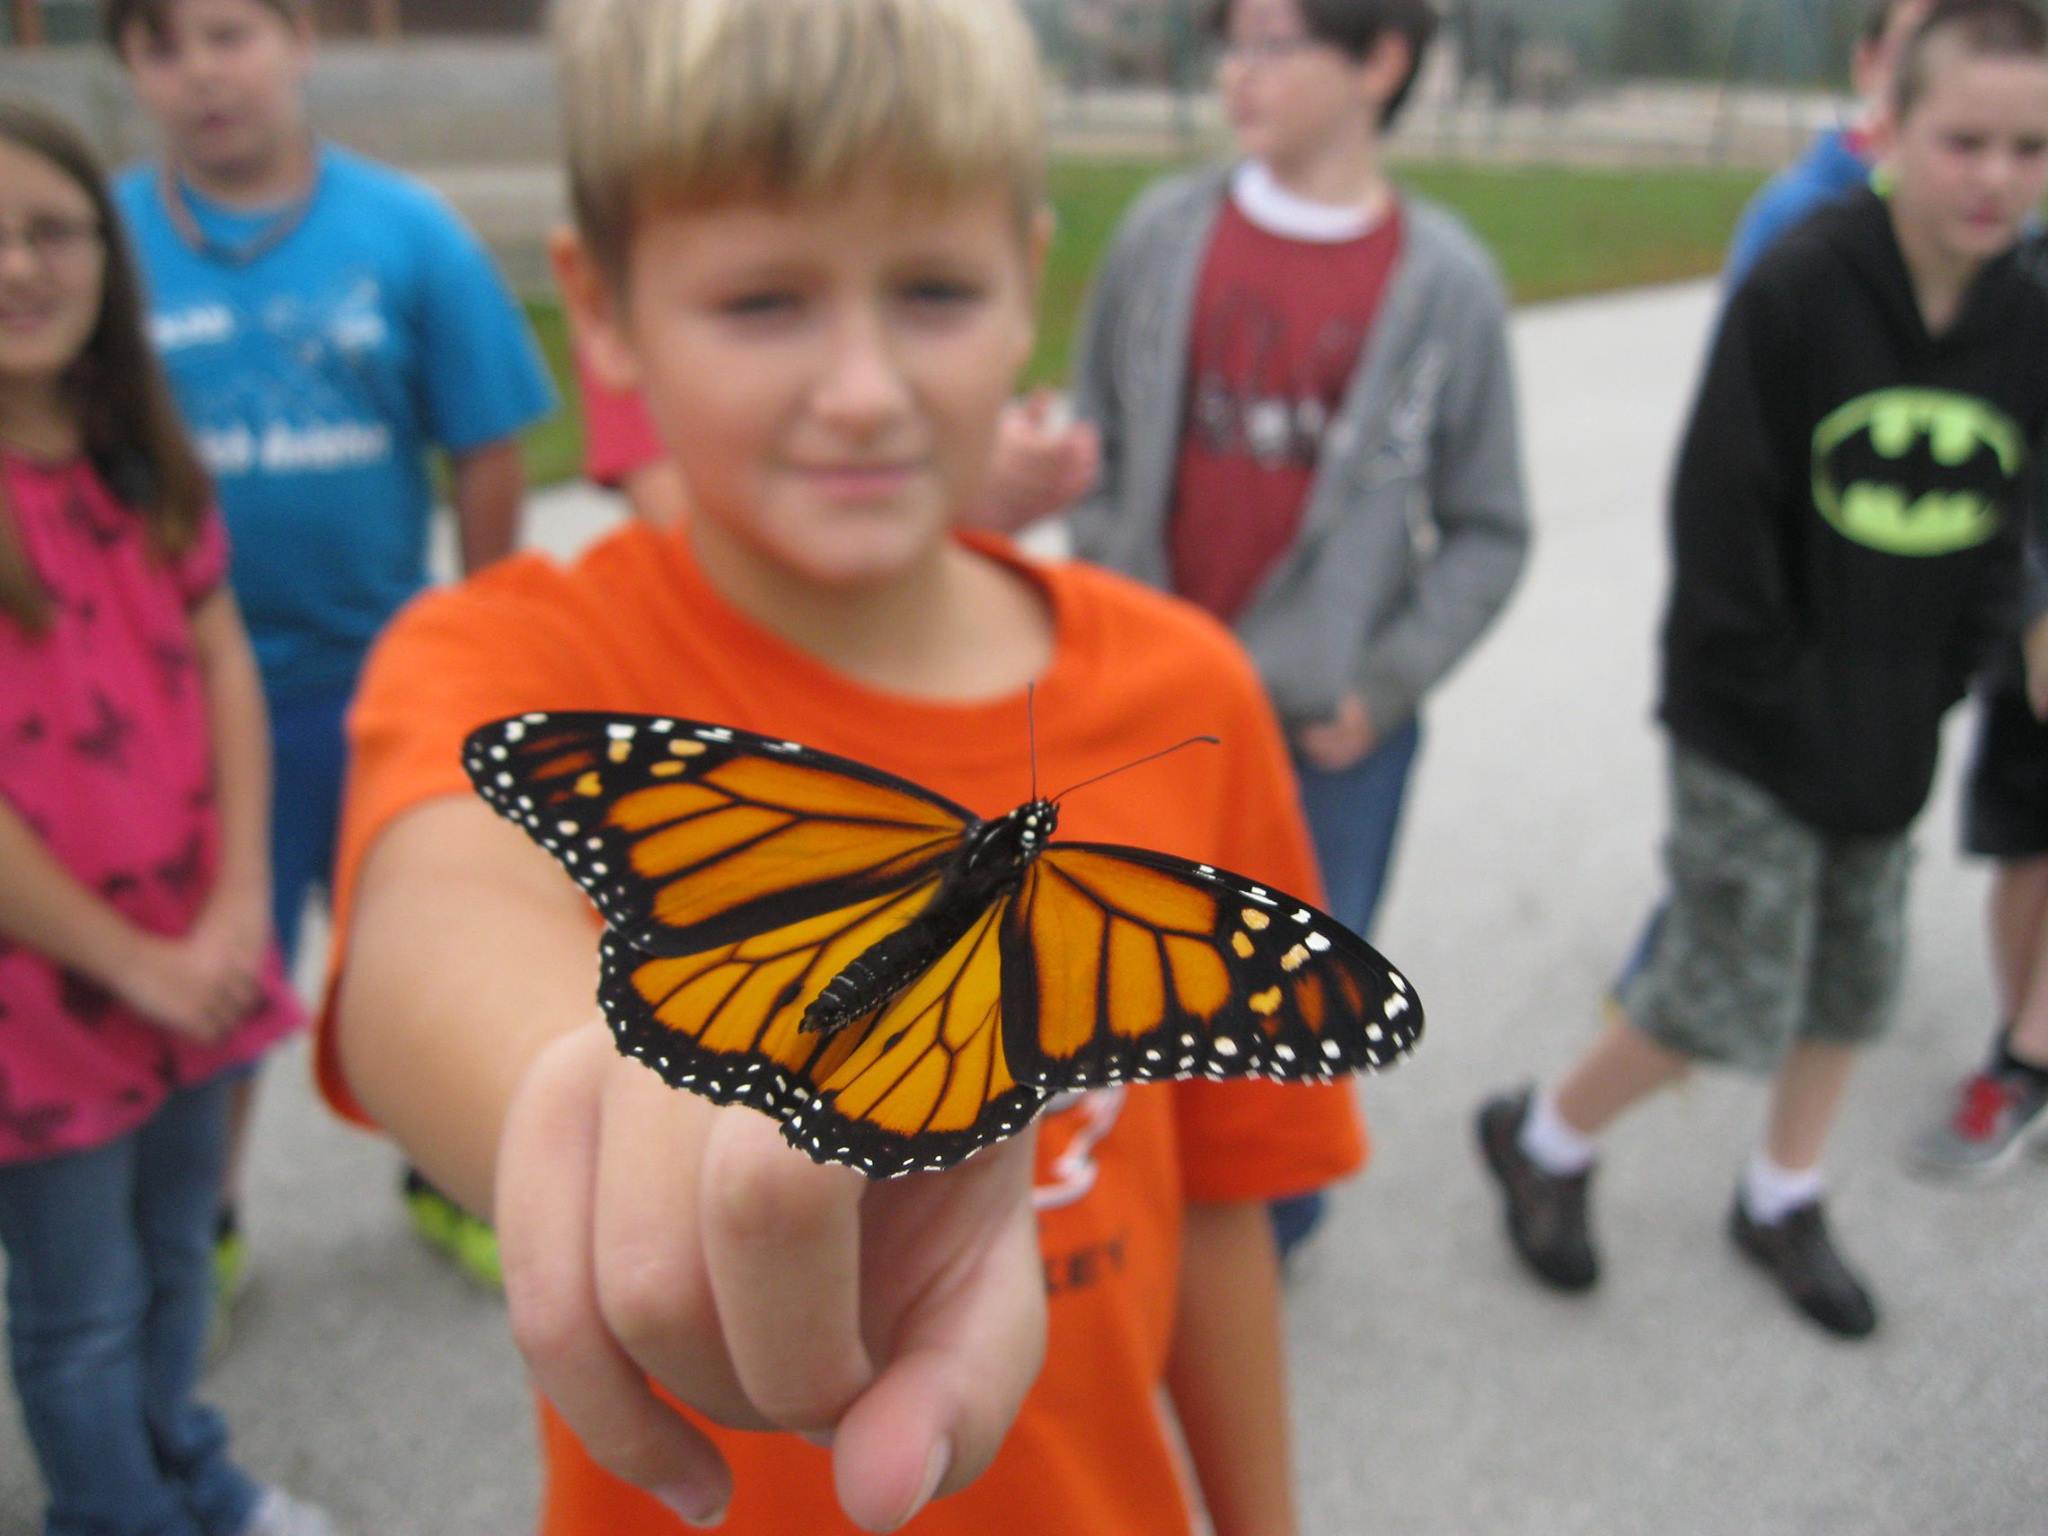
{"x": 1340, "y": 741}
{"x": 650, "y": 1236}
{"x": 1044, "y": 462}
{"x": 233, "y": 930}
{"x": 2036, "y": 646}
{"x": 181, "y": 987}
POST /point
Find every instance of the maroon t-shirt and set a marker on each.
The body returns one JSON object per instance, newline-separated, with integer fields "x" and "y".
{"x": 1279, "y": 325}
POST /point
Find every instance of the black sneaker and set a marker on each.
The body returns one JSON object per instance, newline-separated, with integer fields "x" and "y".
{"x": 1800, "y": 1256}
{"x": 1546, "y": 1212}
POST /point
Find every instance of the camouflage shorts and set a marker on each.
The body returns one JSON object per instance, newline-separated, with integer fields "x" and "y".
{"x": 1773, "y": 932}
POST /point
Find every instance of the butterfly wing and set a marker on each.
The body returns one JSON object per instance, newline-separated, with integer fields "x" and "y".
{"x": 690, "y": 836}
{"x": 1125, "y": 965}
{"x": 920, "y": 1084}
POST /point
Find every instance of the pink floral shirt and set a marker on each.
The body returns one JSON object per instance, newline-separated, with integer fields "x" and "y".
{"x": 105, "y": 753}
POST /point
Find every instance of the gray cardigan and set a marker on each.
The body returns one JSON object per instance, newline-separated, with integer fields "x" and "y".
{"x": 1415, "y": 528}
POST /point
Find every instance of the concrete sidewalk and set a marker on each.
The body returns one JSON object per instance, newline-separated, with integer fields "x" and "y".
{"x": 1437, "y": 1392}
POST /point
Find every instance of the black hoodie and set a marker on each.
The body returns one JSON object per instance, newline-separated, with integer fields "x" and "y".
{"x": 1846, "y": 519}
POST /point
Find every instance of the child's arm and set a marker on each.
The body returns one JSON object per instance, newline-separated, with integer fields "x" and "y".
{"x": 44, "y": 907}
{"x": 1097, "y": 395}
{"x": 487, "y": 485}
{"x": 1227, "y": 1373}
{"x": 1477, "y": 508}
{"x": 647, "y": 1235}
{"x": 237, "y": 915}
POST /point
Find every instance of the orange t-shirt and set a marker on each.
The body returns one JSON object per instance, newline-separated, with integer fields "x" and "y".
{"x": 634, "y": 626}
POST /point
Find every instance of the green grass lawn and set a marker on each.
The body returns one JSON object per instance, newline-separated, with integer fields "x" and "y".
{"x": 1555, "y": 232}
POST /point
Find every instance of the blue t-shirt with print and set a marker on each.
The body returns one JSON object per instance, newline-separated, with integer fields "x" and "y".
{"x": 316, "y": 374}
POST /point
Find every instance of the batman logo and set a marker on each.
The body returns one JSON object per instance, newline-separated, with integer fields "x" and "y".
{"x": 1916, "y": 471}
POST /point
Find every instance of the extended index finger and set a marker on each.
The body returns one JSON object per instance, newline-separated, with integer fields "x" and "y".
{"x": 782, "y": 1240}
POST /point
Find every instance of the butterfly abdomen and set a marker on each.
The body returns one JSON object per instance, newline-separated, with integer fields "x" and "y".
{"x": 994, "y": 857}
{"x": 878, "y": 973}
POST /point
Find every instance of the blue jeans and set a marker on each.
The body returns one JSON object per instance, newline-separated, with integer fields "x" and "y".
{"x": 308, "y": 753}
{"x": 109, "y": 1293}
{"x": 1353, "y": 816}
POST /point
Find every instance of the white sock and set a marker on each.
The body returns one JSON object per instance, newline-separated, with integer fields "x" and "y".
{"x": 1552, "y": 1145}
{"x": 1770, "y": 1193}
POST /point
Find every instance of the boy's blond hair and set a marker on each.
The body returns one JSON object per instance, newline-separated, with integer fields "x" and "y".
{"x": 683, "y": 103}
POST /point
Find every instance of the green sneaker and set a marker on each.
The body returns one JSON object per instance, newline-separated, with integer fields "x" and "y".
{"x": 472, "y": 1245}
{"x": 230, "y": 1260}
{"x": 230, "y": 1279}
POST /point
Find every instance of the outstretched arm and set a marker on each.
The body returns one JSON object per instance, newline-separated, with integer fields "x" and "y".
{"x": 649, "y": 1237}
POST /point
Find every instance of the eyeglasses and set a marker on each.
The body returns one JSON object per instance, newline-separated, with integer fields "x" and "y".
{"x": 1267, "y": 50}
{"x": 53, "y": 243}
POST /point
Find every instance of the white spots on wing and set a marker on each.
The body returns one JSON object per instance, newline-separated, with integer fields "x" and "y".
{"x": 515, "y": 730}
{"x": 1224, "y": 1046}
{"x": 622, "y": 731}
{"x": 1318, "y": 942}
{"x": 716, "y": 733}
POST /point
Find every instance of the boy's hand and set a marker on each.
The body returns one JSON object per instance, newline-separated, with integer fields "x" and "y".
{"x": 1044, "y": 462}
{"x": 650, "y": 1237}
{"x": 2035, "y": 643}
{"x": 1340, "y": 741}
{"x": 187, "y": 989}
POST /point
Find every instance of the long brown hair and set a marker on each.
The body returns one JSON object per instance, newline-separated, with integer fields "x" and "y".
{"x": 126, "y": 414}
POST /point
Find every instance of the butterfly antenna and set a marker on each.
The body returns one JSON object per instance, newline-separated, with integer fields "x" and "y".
{"x": 1150, "y": 757}
{"x": 1031, "y": 731}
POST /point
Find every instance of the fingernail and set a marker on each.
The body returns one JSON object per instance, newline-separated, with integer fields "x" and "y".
{"x": 934, "y": 1474}
{"x": 697, "y": 1506}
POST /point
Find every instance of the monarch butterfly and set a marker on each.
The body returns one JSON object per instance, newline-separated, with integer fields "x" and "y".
{"x": 897, "y": 980}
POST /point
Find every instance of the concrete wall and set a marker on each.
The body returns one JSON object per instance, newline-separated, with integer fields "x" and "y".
{"x": 477, "y": 118}
{"x": 418, "y": 102}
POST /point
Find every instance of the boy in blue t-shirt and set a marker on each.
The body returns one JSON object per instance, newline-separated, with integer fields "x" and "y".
{"x": 327, "y": 324}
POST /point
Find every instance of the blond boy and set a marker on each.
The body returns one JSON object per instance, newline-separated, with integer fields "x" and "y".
{"x": 809, "y": 233}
